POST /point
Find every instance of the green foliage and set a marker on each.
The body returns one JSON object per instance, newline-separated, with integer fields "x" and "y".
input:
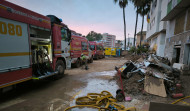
{"x": 143, "y": 6}
{"x": 132, "y": 49}
{"x": 122, "y": 3}
{"x": 93, "y": 36}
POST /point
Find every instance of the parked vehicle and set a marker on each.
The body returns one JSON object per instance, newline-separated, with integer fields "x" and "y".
{"x": 79, "y": 45}
{"x": 33, "y": 46}
{"x": 97, "y": 50}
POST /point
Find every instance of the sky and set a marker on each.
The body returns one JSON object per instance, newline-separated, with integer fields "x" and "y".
{"x": 83, "y": 16}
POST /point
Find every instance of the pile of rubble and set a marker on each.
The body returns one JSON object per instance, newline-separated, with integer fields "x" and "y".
{"x": 153, "y": 75}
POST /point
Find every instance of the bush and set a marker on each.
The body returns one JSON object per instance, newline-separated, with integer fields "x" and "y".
{"x": 138, "y": 50}
{"x": 132, "y": 49}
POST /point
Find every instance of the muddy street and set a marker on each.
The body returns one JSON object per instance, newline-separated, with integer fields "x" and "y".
{"x": 56, "y": 95}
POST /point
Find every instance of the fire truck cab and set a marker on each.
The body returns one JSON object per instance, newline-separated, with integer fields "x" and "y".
{"x": 79, "y": 45}
{"x": 32, "y": 46}
{"x": 97, "y": 49}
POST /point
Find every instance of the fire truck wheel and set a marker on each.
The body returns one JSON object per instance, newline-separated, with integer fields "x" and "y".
{"x": 60, "y": 67}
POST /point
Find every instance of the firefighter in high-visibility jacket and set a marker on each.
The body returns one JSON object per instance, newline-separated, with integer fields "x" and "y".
{"x": 84, "y": 59}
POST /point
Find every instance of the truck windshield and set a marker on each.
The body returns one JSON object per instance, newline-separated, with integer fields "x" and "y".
{"x": 92, "y": 47}
{"x": 64, "y": 34}
{"x": 84, "y": 45}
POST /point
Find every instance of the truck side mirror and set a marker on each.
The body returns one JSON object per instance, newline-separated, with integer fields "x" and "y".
{"x": 70, "y": 41}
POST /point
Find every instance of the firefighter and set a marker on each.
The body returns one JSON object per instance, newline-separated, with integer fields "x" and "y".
{"x": 83, "y": 58}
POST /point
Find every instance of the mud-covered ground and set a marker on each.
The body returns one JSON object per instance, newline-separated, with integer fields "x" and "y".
{"x": 48, "y": 95}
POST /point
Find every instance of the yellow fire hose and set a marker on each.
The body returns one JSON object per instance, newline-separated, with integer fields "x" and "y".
{"x": 180, "y": 100}
{"x": 100, "y": 101}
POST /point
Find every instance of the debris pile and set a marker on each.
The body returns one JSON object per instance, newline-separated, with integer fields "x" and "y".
{"x": 151, "y": 75}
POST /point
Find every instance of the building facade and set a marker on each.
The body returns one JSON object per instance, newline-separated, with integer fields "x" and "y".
{"x": 118, "y": 43}
{"x": 178, "y": 31}
{"x": 138, "y": 38}
{"x": 109, "y": 40}
{"x": 156, "y": 28}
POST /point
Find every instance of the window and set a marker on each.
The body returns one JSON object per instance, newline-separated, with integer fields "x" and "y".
{"x": 64, "y": 34}
{"x": 98, "y": 47}
{"x": 92, "y": 47}
{"x": 154, "y": 4}
{"x": 84, "y": 45}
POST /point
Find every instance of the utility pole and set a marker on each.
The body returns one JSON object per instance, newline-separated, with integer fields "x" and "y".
{"x": 128, "y": 40}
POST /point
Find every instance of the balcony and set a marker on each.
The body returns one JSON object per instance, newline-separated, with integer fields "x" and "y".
{"x": 175, "y": 7}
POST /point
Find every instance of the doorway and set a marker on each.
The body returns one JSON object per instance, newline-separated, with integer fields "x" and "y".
{"x": 176, "y": 53}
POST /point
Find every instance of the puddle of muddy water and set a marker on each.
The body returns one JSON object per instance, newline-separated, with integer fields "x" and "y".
{"x": 100, "y": 81}
{"x": 96, "y": 83}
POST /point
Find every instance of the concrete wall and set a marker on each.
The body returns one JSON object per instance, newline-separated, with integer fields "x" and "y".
{"x": 158, "y": 14}
{"x": 152, "y": 27}
{"x": 138, "y": 40}
{"x": 170, "y": 28}
{"x": 180, "y": 39}
{"x": 163, "y": 12}
{"x": 161, "y": 44}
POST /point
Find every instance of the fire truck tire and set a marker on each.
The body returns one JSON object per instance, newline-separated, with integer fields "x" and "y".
{"x": 60, "y": 67}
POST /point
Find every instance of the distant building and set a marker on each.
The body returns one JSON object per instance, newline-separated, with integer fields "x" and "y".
{"x": 129, "y": 43}
{"x": 109, "y": 40}
{"x": 118, "y": 44}
{"x": 138, "y": 38}
{"x": 177, "y": 48}
{"x": 156, "y": 28}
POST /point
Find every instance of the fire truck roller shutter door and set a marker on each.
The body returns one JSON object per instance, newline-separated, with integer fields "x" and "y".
{"x": 14, "y": 52}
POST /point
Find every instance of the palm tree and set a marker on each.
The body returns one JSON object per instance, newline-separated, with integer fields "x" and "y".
{"x": 123, "y": 4}
{"x": 144, "y": 8}
{"x": 136, "y": 3}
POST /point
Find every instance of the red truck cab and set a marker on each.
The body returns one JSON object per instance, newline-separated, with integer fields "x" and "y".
{"x": 79, "y": 45}
{"x": 97, "y": 49}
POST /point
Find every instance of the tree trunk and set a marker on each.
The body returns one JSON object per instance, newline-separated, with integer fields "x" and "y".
{"x": 124, "y": 27}
{"x": 135, "y": 28}
{"x": 142, "y": 30}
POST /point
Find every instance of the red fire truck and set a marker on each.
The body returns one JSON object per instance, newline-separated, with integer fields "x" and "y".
{"x": 32, "y": 46}
{"x": 79, "y": 45}
{"x": 97, "y": 49}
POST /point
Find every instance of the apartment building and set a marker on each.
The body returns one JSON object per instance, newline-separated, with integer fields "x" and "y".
{"x": 156, "y": 29}
{"x": 109, "y": 40}
{"x": 178, "y": 31}
{"x": 138, "y": 38}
